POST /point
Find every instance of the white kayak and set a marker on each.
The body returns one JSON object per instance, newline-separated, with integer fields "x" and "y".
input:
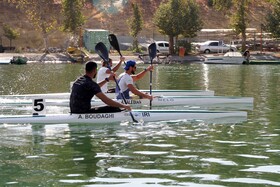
{"x": 66, "y": 95}
{"x": 139, "y": 115}
{"x": 200, "y": 101}
{"x": 5, "y": 60}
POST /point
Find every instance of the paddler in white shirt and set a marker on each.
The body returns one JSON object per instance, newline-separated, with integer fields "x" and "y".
{"x": 104, "y": 73}
{"x": 127, "y": 79}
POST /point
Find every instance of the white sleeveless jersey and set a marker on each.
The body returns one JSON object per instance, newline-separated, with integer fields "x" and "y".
{"x": 101, "y": 75}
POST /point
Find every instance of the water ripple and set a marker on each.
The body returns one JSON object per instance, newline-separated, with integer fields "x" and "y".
{"x": 150, "y": 152}
{"x": 253, "y": 156}
{"x": 146, "y": 171}
{"x": 251, "y": 181}
{"x": 264, "y": 169}
{"x": 219, "y": 161}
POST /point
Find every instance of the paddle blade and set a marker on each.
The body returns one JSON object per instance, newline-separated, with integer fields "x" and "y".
{"x": 102, "y": 51}
{"x": 152, "y": 51}
{"x": 114, "y": 42}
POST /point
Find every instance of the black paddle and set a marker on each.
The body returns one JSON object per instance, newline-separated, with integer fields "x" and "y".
{"x": 102, "y": 51}
{"x": 114, "y": 43}
{"x": 152, "y": 53}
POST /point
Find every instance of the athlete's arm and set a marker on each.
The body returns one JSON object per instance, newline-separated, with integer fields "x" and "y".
{"x": 137, "y": 92}
{"x": 111, "y": 102}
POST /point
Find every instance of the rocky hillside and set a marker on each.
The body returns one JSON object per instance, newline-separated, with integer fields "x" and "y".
{"x": 113, "y": 17}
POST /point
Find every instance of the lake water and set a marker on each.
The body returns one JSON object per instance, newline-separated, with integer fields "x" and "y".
{"x": 154, "y": 154}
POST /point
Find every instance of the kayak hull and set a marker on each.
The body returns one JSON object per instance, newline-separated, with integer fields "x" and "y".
{"x": 139, "y": 115}
{"x": 245, "y": 103}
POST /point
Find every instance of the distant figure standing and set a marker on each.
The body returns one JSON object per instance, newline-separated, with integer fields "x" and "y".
{"x": 247, "y": 55}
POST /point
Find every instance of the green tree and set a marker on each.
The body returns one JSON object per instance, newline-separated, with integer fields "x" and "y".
{"x": 73, "y": 17}
{"x": 273, "y": 20}
{"x": 43, "y": 14}
{"x": 173, "y": 18}
{"x": 193, "y": 23}
{"x": 239, "y": 16}
{"x": 135, "y": 24}
{"x": 10, "y": 33}
{"x": 239, "y": 20}
{"x": 222, "y": 4}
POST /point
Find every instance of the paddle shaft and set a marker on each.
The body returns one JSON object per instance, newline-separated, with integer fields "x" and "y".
{"x": 151, "y": 84}
{"x": 119, "y": 52}
{"x": 152, "y": 53}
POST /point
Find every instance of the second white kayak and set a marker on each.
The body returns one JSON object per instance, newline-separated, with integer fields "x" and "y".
{"x": 245, "y": 103}
{"x": 66, "y": 95}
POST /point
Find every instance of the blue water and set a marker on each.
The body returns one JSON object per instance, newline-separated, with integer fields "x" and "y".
{"x": 153, "y": 154}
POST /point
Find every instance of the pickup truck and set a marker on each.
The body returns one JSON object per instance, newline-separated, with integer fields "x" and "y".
{"x": 215, "y": 47}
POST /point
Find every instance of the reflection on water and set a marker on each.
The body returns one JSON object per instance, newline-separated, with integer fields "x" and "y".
{"x": 159, "y": 154}
{"x": 154, "y": 154}
{"x": 38, "y": 78}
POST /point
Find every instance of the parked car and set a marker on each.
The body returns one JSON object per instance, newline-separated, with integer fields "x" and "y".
{"x": 215, "y": 47}
{"x": 162, "y": 46}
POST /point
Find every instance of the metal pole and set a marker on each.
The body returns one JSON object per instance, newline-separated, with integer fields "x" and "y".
{"x": 261, "y": 38}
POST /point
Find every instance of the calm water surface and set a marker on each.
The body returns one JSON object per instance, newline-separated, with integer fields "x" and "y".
{"x": 153, "y": 154}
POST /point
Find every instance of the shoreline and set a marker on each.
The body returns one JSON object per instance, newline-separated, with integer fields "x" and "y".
{"x": 57, "y": 57}
{"x": 63, "y": 58}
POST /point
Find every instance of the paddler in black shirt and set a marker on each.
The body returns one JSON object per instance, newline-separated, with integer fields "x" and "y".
{"x": 83, "y": 90}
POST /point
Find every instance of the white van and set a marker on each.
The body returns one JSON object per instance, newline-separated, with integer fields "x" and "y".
{"x": 162, "y": 46}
